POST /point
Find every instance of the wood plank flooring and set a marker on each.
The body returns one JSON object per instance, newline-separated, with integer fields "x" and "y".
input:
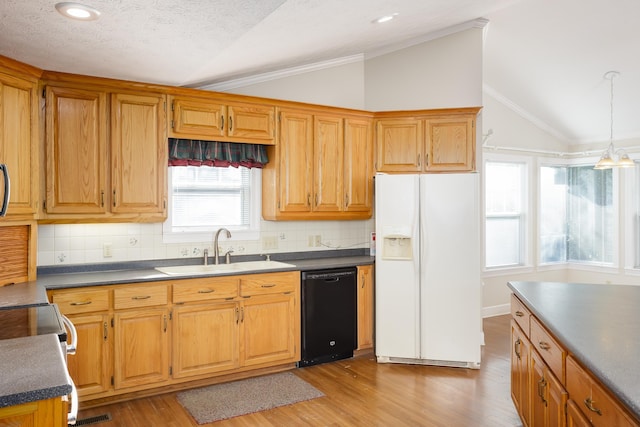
{"x": 361, "y": 392}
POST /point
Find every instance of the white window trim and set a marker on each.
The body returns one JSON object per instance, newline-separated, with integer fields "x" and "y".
{"x": 168, "y": 236}
{"x": 527, "y": 203}
{"x": 587, "y": 266}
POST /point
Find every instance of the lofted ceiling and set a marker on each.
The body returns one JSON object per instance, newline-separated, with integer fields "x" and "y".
{"x": 545, "y": 59}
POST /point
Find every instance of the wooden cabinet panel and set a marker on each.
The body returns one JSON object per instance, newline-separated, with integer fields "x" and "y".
{"x": 139, "y": 153}
{"x": 205, "y": 339}
{"x": 196, "y": 118}
{"x": 575, "y": 417}
{"x": 450, "y": 144}
{"x": 295, "y": 162}
{"x": 49, "y": 412}
{"x": 18, "y": 254}
{"x": 520, "y": 314}
{"x": 358, "y": 165}
{"x": 140, "y": 296}
{"x": 90, "y": 367}
{"x": 328, "y": 142}
{"x": 269, "y": 283}
{"x": 76, "y": 301}
{"x": 365, "y": 306}
{"x": 552, "y": 353}
{"x": 199, "y": 290}
{"x": 141, "y": 354}
{"x": 76, "y": 150}
{"x": 252, "y": 123}
{"x": 399, "y": 145}
{"x": 548, "y": 396}
{"x": 270, "y": 329}
{"x": 18, "y": 144}
{"x": 520, "y": 355}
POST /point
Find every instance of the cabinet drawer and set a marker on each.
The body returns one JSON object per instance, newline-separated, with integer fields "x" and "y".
{"x": 552, "y": 353}
{"x": 592, "y": 400}
{"x": 195, "y": 290}
{"x": 521, "y": 314}
{"x": 270, "y": 283}
{"x": 73, "y": 302}
{"x": 140, "y": 296}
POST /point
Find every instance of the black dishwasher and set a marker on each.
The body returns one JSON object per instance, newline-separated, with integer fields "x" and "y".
{"x": 329, "y": 308}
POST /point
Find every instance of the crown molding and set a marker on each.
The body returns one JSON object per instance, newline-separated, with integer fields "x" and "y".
{"x": 523, "y": 113}
{"x": 279, "y": 74}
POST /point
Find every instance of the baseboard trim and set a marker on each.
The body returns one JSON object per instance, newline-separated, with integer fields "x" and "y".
{"x": 496, "y": 310}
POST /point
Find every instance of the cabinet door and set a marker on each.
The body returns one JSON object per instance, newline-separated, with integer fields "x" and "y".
{"x": 205, "y": 339}
{"x": 18, "y": 143}
{"x": 251, "y": 123}
{"x": 399, "y": 145}
{"x": 575, "y": 418}
{"x": 365, "y": 307}
{"x": 141, "y": 354}
{"x": 295, "y": 149}
{"x": 328, "y": 164}
{"x": 358, "y": 166}
{"x": 90, "y": 366}
{"x": 537, "y": 391}
{"x": 556, "y": 401}
{"x": 76, "y": 150}
{"x": 49, "y": 412}
{"x": 520, "y": 350}
{"x": 196, "y": 118}
{"x": 270, "y": 329}
{"x": 450, "y": 144}
{"x": 139, "y": 150}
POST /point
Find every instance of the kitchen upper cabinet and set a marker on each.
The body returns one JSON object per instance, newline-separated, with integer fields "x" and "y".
{"x": 320, "y": 169}
{"x": 219, "y": 120}
{"x": 106, "y": 152}
{"x": 76, "y": 151}
{"x": 139, "y": 153}
{"x": 19, "y": 144}
{"x": 426, "y": 141}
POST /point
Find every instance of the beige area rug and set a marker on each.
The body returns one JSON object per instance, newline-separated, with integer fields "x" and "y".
{"x": 222, "y": 401}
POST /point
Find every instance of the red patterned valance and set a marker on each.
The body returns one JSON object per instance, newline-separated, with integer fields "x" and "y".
{"x": 192, "y": 152}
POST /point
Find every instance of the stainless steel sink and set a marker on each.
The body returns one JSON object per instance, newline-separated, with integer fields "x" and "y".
{"x": 237, "y": 267}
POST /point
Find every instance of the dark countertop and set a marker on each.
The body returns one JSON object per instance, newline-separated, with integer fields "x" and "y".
{"x": 46, "y": 376}
{"x": 22, "y": 295}
{"x": 598, "y": 324}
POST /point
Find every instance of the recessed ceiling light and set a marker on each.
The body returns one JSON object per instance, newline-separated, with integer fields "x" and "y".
{"x": 385, "y": 18}
{"x": 78, "y": 11}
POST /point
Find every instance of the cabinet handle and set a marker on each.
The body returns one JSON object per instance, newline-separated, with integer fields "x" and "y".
{"x": 519, "y": 313}
{"x": 221, "y": 122}
{"x": 363, "y": 281}
{"x": 230, "y": 123}
{"x": 516, "y": 348}
{"x": 81, "y": 303}
{"x": 589, "y": 404}
{"x": 164, "y": 320}
{"x": 114, "y": 198}
{"x": 102, "y": 198}
{"x": 316, "y": 200}
{"x": 141, "y": 297}
{"x": 206, "y": 291}
{"x": 544, "y": 345}
{"x": 104, "y": 331}
{"x": 237, "y": 315}
{"x": 308, "y": 199}
{"x": 242, "y": 314}
{"x": 418, "y": 160}
{"x": 268, "y": 285}
{"x": 541, "y": 385}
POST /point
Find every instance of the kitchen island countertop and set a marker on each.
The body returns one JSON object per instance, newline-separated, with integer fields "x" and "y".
{"x": 598, "y": 324}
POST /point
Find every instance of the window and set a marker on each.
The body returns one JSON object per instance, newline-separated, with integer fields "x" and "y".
{"x": 204, "y": 199}
{"x": 505, "y": 213}
{"x": 577, "y": 221}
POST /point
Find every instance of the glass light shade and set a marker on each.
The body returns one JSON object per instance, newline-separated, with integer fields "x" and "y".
{"x": 605, "y": 162}
{"x": 625, "y": 162}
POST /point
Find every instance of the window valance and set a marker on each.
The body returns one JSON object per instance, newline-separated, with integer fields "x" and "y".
{"x": 193, "y": 152}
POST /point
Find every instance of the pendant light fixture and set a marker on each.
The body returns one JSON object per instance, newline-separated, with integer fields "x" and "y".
{"x": 607, "y": 160}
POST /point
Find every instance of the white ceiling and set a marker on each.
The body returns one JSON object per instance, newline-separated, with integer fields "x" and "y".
{"x": 543, "y": 58}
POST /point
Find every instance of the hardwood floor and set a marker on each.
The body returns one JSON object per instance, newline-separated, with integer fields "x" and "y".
{"x": 360, "y": 392}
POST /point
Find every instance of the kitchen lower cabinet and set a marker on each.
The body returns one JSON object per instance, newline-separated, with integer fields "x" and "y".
{"x": 365, "y": 306}
{"x": 141, "y": 355}
{"x": 90, "y": 367}
{"x": 269, "y": 326}
{"x": 205, "y": 338}
{"x": 49, "y": 412}
{"x": 548, "y": 397}
{"x": 520, "y": 355}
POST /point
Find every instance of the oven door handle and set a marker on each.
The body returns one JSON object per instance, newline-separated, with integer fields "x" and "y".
{"x": 72, "y": 416}
{"x": 71, "y": 348}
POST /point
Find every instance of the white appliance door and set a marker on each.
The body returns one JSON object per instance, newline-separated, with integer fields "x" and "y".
{"x": 451, "y": 293}
{"x": 397, "y": 275}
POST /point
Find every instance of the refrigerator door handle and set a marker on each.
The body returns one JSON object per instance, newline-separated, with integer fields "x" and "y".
{"x": 7, "y": 187}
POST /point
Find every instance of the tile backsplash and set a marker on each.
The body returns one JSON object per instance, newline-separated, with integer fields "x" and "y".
{"x": 68, "y": 244}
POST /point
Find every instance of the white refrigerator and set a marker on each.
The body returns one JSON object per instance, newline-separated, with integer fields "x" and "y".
{"x": 428, "y": 292}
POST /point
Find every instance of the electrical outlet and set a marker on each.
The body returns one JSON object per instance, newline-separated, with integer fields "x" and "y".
{"x": 269, "y": 242}
{"x": 312, "y": 241}
{"x": 318, "y": 241}
{"x": 107, "y": 250}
